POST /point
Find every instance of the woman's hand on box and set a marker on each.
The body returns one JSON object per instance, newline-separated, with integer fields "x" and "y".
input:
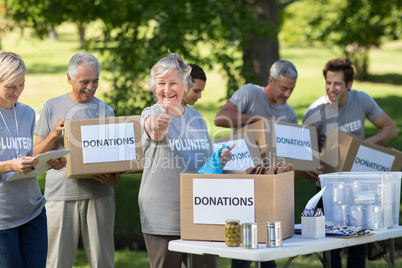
{"x": 108, "y": 179}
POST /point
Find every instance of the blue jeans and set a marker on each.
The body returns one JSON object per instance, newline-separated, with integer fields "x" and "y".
{"x": 246, "y": 264}
{"x": 25, "y": 245}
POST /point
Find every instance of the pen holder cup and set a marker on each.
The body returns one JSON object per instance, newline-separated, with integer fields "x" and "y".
{"x": 313, "y": 227}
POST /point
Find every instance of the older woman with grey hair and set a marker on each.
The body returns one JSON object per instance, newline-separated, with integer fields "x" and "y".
{"x": 168, "y": 129}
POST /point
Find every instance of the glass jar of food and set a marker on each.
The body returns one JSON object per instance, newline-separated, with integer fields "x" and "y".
{"x": 232, "y": 233}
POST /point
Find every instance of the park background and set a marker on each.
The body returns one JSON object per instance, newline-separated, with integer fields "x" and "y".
{"x": 47, "y": 61}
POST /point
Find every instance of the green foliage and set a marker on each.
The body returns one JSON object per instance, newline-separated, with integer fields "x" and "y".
{"x": 5, "y": 23}
{"x": 142, "y": 33}
{"x": 135, "y": 34}
{"x": 353, "y": 26}
{"x": 42, "y": 15}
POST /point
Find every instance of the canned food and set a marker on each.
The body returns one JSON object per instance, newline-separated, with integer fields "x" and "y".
{"x": 374, "y": 217}
{"x": 356, "y": 216}
{"x": 340, "y": 214}
{"x": 339, "y": 194}
{"x": 274, "y": 234}
{"x": 385, "y": 193}
{"x": 250, "y": 235}
{"x": 232, "y": 233}
{"x": 388, "y": 216}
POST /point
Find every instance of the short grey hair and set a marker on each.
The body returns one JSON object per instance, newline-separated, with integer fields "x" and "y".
{"x": 284, "y": 68}
{"x": 12, "y": 67}
{"x": 81, "y": 58}
{"x": 171, "y": 62}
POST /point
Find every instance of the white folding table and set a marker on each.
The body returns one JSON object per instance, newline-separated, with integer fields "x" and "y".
{"x": 291, "y": 247}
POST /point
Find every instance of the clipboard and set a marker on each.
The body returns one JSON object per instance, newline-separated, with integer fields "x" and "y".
{"x": 42, "y": 166}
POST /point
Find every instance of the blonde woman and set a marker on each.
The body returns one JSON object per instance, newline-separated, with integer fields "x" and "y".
{"x": 23, "y": 232}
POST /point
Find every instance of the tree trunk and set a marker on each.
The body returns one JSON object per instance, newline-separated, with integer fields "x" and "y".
{"x": 52, "y": 34}
{"x": 260, "y": 52}
{"x": 359, "y": 55}
{"x": 81, "y": 31}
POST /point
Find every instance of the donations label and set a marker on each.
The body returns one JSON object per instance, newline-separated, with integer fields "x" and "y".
{"x": 216, "y": 200}
{"x": 108, "y": 143}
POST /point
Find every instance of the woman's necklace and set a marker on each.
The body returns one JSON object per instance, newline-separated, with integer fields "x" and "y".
{"x": 16, "y": 127}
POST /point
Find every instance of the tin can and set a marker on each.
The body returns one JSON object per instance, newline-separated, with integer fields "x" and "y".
{"x": 249, "y": 235}
{"x": 356, "y": 216}
{"x": 340, "y": 214}
{"x": 339, "y": 194}
{"x": 374, "y": 217}
{"x": 388, "y": 215}
{"x": 274, "y": 234}
{"x": 232, "y": 233}
{"x": 385, "y": 193}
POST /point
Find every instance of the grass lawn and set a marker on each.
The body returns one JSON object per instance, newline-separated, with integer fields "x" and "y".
{"x": 46, "y": 78}
{"x": 130, "y": 259}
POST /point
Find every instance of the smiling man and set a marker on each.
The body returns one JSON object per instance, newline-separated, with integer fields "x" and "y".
{"x": 346, "y": 109}
{"x": 77, "y": 205}
{"x": 251, "y": 103}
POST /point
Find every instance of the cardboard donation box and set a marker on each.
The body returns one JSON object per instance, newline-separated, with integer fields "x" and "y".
{"x": 292, "y": 143}
{"x": 103, "y": 145}
{"x": 344, "y": 152}
{"x": 245, "y": 154}
{"x": 208, "y": 200}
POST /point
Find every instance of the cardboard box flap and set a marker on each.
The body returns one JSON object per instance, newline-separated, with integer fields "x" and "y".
{"x": 336, "y": 148}
{"x": 245, "y": 154}
{"x": 346, "y": 152}
{"x": 291, "y": 143}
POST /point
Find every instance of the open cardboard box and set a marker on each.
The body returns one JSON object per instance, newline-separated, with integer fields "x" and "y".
{"x": 103, "y": 145}
{"x": 271, "y": 197}
{"x": 244, "y": 155}
{"x": 346, "y": 152}
{"x": 291, "y": 143}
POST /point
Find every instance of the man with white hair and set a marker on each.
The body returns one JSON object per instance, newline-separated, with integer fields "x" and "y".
{"x": 251, "y": 103}
{"x": 77, "y": 205}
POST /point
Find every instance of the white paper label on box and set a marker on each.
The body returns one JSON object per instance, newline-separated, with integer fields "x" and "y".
{"x": 108, "y": 143}
{"x": 241, "y": 157}
{"x": 368, "y": 159}
{"x": 216, "y": 200}
{"x": 293, "y": 142}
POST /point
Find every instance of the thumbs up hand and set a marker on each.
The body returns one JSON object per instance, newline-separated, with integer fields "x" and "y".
{"x": 162, "y": 122}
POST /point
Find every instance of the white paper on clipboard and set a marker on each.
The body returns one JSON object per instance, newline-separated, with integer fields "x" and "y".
{"x": 42, "y": 166}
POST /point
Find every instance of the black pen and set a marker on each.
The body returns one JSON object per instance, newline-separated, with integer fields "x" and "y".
{"x": 33, "y": 168}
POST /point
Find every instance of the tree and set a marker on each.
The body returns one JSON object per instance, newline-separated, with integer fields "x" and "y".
{"x": 354, "y": 26}
{"x": 238, "y": 35}
{"x": 44, "y": 15}
{"x": 7, "y": 24}
{"x": 4, "y": 27}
